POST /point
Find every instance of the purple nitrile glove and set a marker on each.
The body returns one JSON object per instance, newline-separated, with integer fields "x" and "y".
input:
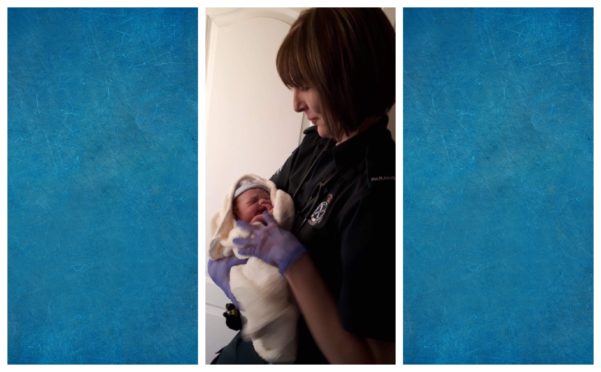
{"x": 270, "y": 243}
{"x": 219, "y": 271}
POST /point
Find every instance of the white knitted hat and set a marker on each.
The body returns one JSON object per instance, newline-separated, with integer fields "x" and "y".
{"x": 247, "y": 184}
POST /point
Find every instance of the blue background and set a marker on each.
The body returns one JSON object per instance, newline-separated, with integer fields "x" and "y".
{"x": 498, "y": 186}
{"x": 102, "y": 159}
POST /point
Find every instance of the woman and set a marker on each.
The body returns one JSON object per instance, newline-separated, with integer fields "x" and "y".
{"x": 339, "y": 257}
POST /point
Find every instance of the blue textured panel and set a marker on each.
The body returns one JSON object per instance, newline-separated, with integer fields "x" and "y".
{"x": 498, "y": 186}
{"x": 102, "y": 136}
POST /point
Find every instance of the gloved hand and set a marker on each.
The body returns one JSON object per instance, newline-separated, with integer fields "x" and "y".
{"x": 270, "y": 243}
{"x": 219, "y": 271}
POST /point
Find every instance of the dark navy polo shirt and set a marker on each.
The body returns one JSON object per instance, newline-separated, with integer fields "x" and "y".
{"x": 344, "y": 198}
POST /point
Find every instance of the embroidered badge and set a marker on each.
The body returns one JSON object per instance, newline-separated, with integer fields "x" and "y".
{"x": 382, "y": 178}
{"x": 320, "y": 211}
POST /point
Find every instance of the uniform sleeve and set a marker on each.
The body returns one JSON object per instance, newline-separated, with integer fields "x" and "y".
{"x": 281, "y": 177}
{"x": 367, "y": 297}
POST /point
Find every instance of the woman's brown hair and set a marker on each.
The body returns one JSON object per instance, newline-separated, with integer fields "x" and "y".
{"x": 348, "y": 56}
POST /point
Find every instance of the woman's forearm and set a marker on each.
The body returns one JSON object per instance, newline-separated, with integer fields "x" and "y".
{"x": 321, "y": 314}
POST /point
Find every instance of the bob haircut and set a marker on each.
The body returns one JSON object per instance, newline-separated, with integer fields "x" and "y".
{"x": 348, "y": 56}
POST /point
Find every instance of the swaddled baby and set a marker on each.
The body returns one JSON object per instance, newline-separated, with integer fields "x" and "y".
{"x": 268, "y": 311}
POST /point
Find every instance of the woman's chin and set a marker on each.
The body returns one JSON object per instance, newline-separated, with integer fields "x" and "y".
{"x": 323, "y": 131}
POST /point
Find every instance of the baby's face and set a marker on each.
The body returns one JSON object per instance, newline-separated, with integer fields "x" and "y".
{"x": 250, "y": 205}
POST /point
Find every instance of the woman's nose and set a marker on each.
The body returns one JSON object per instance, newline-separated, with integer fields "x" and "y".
{"x": 297, "y": 101}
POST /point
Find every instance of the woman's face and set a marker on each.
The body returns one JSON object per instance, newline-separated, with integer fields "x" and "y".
{"x": 307, "y": 100}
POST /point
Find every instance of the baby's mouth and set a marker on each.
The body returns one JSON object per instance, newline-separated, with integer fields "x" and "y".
{"x": 258, "y": 220}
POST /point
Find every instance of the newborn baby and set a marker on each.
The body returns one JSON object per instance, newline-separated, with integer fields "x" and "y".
{"x": 269, "y": 315}
{"x": 251, "y": 199}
